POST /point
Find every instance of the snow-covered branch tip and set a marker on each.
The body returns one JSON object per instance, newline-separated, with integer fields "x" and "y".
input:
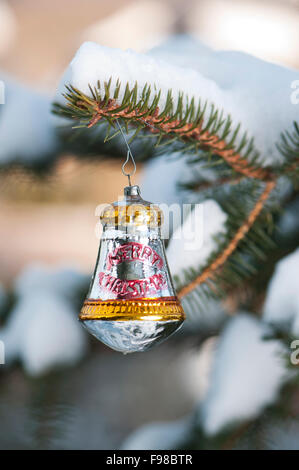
{"x": 201, "y": 127}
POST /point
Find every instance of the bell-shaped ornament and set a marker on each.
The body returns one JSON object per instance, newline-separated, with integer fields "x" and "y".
{"x": 131, "y": 304}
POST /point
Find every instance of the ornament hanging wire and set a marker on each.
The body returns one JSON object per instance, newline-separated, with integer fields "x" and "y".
{"x": 129, "y": 156}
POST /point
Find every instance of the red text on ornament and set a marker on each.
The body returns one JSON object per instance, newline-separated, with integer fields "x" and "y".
{"x": 133, "y": 251}
{"x": 124, "y": 289}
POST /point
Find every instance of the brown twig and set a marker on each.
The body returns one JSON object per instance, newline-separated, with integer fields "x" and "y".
{"x": 173, "y": 126}
{"x": 209, "y": 272}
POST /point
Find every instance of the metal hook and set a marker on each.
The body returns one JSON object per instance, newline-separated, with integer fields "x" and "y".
{"x": 129, "y": 155}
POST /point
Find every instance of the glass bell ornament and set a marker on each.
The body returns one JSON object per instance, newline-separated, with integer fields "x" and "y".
{"x": 131, "y": 304}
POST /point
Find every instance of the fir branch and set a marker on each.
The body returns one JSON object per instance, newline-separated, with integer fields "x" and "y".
{"x": 209, "y": 272}
{"x": 289, "y": 145}
{"x": 289, "y": 148}
{"x": 202, "y": 126}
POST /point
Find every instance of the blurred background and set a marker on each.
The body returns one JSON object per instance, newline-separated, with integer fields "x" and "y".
{"x": 100, "y": 396}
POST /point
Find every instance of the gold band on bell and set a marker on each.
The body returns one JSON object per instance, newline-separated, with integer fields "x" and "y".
{"x": 160, "y": 309}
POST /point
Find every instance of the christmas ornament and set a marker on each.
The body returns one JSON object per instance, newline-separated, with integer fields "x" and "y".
{"x": 131, "y": 304}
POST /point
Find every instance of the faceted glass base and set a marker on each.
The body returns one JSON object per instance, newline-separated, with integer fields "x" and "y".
{"x": 131, "y": 335}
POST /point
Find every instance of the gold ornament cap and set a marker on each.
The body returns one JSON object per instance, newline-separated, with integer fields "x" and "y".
{"x": 132, "y": 210}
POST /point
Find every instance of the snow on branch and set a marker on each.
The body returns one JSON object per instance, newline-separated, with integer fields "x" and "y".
{"x": 112, "y": 83}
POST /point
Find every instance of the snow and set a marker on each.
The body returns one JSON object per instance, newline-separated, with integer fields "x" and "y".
{"x": 93, "y": 62}
{"x": 158, "y": 436}
{"x": 61, "y": 281}
{"x": 42, "y": 330}
{"x": 194, "y": 368}
{"x": 154, "y": 188}
{"x": 153, "y": 184}
{"x": 196, "y": 237}
{"x": 171, "y": 194}
{"x": 246, "y": 375}
{"x": 240, "y": 84}
{"x": 250, "y": 84}
{"x": 281, "y": 307}
{"x": 26, "y": 133}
